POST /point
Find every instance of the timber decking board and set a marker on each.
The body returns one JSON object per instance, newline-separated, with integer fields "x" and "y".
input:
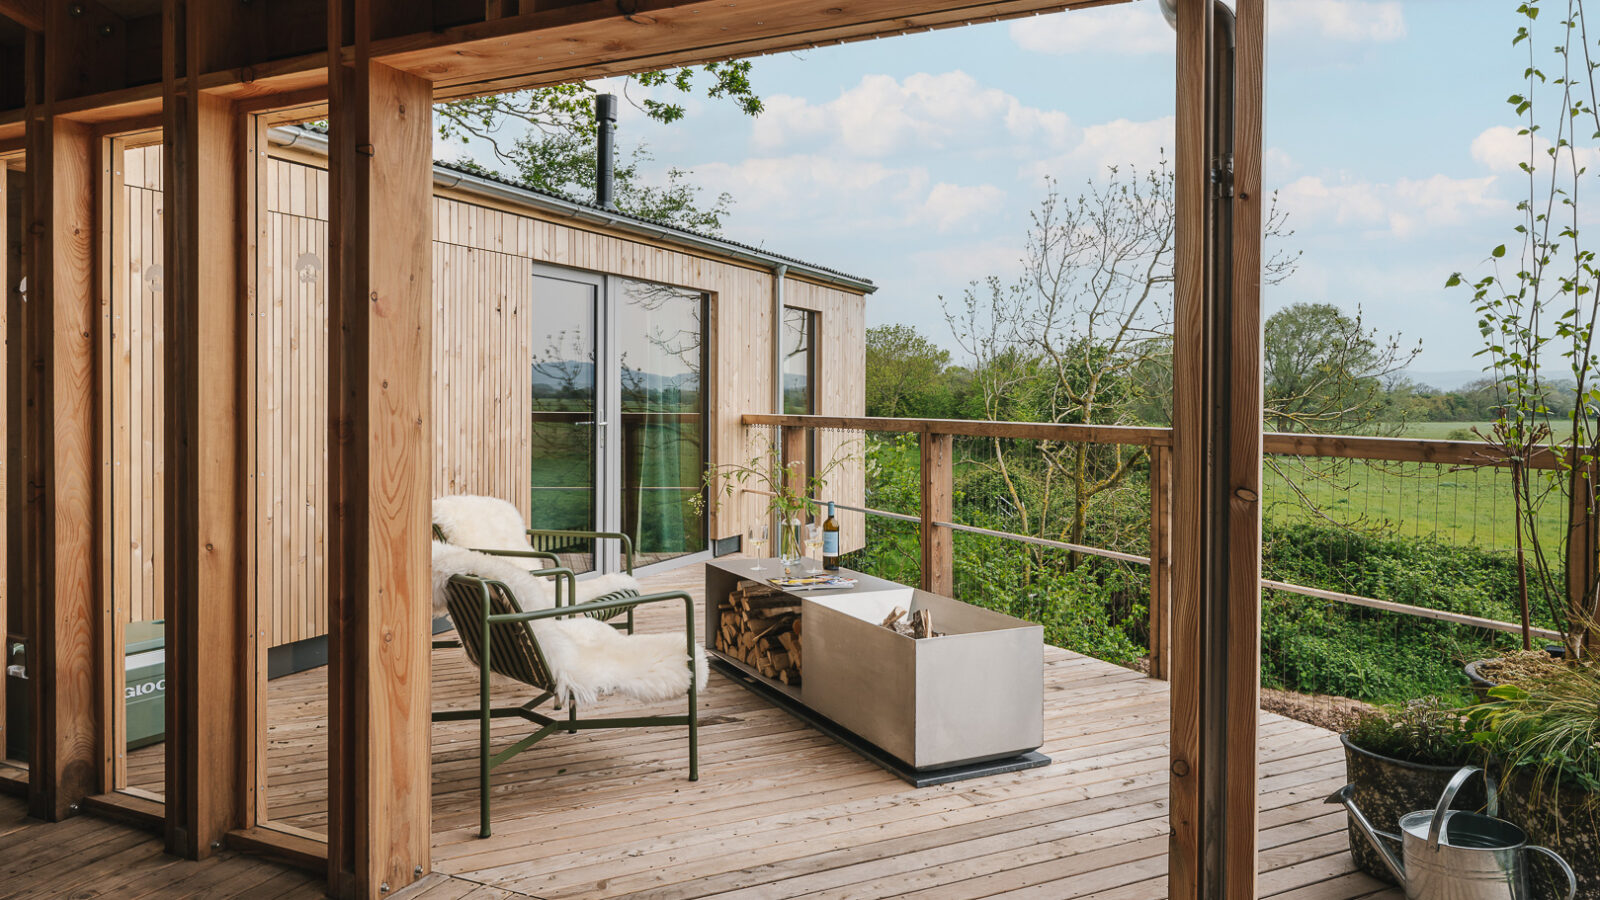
{"x": 782, "y": 811}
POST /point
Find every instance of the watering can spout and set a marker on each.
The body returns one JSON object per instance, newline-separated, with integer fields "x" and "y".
{"x": 1345, "y": 796}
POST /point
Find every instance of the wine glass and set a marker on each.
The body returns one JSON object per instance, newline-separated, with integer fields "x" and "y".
{"x": 813, "y": 535}
{"x": 757, "y": 537}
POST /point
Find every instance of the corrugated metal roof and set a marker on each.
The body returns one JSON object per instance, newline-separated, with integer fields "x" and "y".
{"x": 535, "y": 195}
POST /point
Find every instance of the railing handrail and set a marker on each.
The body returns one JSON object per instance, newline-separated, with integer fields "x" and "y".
{"x": 1158, "y": 443}
{"x": 1278, "y": 443}
{"x": 1136, "y": 435}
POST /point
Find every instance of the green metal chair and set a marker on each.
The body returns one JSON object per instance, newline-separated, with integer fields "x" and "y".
{"x": 498, "y": 637}
{"x": 548, "y": 543}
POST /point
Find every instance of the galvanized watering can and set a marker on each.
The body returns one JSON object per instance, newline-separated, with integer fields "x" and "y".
{"x": 1450, "y": 854}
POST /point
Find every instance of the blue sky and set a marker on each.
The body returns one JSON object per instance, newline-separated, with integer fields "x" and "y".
{"x": 915, "y": 160}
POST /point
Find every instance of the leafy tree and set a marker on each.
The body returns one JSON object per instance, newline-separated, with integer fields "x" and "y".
{"x": 905, "y": 374}
{"x": 546, "y": 137}
{"x": 1325, "y": 371}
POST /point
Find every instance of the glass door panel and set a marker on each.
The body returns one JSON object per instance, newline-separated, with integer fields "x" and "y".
{"x": 660, "y": 357}
{"x": 565, "y": 427}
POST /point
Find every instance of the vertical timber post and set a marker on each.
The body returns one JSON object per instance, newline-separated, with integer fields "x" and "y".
{"x": 1160, "y": 560}
{"x": 380, "y": 173}
{"x": 209, "y": 785}
{"x": 793, "y": 456}
{"x": 1583, "y": 553}
{"x": 62, "y": 326}
{"x": 938, "y": 542}
{"x": 1216, "y": 550}
{"x": 60, "y": 437}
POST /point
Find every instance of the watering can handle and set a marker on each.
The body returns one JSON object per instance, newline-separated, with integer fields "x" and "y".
{"x": 1572, "y": 877}
{"x": 1449, "y": 797}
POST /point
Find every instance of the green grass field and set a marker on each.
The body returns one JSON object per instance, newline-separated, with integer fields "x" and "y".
{"x": 1444, "y": 431}
{"x": 1413, "y": 500}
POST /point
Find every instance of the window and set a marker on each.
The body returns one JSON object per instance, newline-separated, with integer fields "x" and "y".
{"x": 799, "y": 361}
{"x": 619, "y": 414}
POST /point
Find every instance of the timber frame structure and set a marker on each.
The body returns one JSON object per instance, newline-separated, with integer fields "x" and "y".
{"x": 213, "y": 76}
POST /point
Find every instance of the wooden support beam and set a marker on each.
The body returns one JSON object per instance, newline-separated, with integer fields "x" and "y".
{"x": 27, "y": 13}
{"x": 1160, "y": 560}
{"x": 8, "y": 315}
{"x": 380, "y": 266}
{"x": 61, "y": 438}
{"x": 938, "y": 491}
{"x": 24, "y": 517}
{"x": 1239, "y": 308}
{"x": 208, "y": 778}
{"x": 1215, "y": 650}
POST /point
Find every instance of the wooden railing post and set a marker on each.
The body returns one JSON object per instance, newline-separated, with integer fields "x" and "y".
{"x": 1583, "y": 549}
{"x": 794, "y": 456}
{"x": 1160, "y": 559}
{"x": 938, "y": 486}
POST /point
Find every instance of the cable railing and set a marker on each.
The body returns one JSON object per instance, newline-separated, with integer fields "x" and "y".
{"x": 1333, "y": 495}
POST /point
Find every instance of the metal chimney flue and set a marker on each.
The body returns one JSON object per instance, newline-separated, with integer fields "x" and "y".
{"x": 605, "y": 115}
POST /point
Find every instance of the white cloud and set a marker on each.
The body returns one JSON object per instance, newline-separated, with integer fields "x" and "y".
{"x": 1110, "y": 29}
{"x": 1502, "y": 149}
{"x": 883, "y": 116}
{"x": 1375, "y": 21}
{"x": 952, "y": 207}
{"x": 857, "y": 195}
{"x": 1407, "y": 208}
{"x": 1121, "y": 142}
{"x": 1140, "y": 29}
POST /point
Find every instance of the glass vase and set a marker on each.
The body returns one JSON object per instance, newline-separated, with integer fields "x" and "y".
{"x": 791, "y": 546}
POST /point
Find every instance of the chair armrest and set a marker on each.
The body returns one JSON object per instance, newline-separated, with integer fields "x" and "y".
{"x": 524, "y": 554}
{"x": 558, "y": 572}
{"x": 605, "y": 606}
{"x": 627, "y": 542}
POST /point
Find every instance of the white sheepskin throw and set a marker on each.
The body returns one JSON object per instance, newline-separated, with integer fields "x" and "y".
{"x": 485, "y": 523}
{"x": 588, "y": 658}
{"x": 489, "y": 523}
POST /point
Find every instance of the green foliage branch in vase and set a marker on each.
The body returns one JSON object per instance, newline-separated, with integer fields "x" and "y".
{"x": 792, "y": 492}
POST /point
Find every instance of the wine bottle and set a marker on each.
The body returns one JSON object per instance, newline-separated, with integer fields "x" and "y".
{"x": 830, "y": 540}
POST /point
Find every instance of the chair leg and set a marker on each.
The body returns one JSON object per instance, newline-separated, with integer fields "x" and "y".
{"x": 694, "y": 729}
{"x": 572, "y": 716}
{"x": 485, "y": 720}
{"x": 630, "y": 620}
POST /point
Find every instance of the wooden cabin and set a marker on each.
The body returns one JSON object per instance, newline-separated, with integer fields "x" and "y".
{"x": 537, "y": 298}
{"x": 221, "y": 383}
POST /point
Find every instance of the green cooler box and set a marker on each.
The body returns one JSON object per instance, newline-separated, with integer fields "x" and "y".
{"x": 145, "y": 688}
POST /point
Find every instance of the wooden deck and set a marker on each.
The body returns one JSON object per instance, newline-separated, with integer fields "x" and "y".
{"x": 782, "y": 811}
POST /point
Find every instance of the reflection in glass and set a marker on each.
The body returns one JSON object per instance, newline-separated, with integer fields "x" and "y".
{"x": 564, "y": 407}
{"x": 799, "y": 361}
{"x": 661, "y": 355}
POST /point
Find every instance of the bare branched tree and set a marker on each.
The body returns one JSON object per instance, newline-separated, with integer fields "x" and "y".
{"x": 1081, "y": 337}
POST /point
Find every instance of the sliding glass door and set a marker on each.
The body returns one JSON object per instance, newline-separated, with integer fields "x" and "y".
{"x": 565, "y": 431}
{"x": 619, "y": 414}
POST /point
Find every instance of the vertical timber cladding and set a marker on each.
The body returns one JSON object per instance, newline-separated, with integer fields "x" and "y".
{"x": 1215, "y": 637}
{"x": 136, "y": 379}
{"x": 483, "y": 323}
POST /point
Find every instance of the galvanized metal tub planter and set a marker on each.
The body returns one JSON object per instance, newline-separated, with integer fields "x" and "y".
{"x": 1387, "y": 788}
{"x": 965, "y": 703}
